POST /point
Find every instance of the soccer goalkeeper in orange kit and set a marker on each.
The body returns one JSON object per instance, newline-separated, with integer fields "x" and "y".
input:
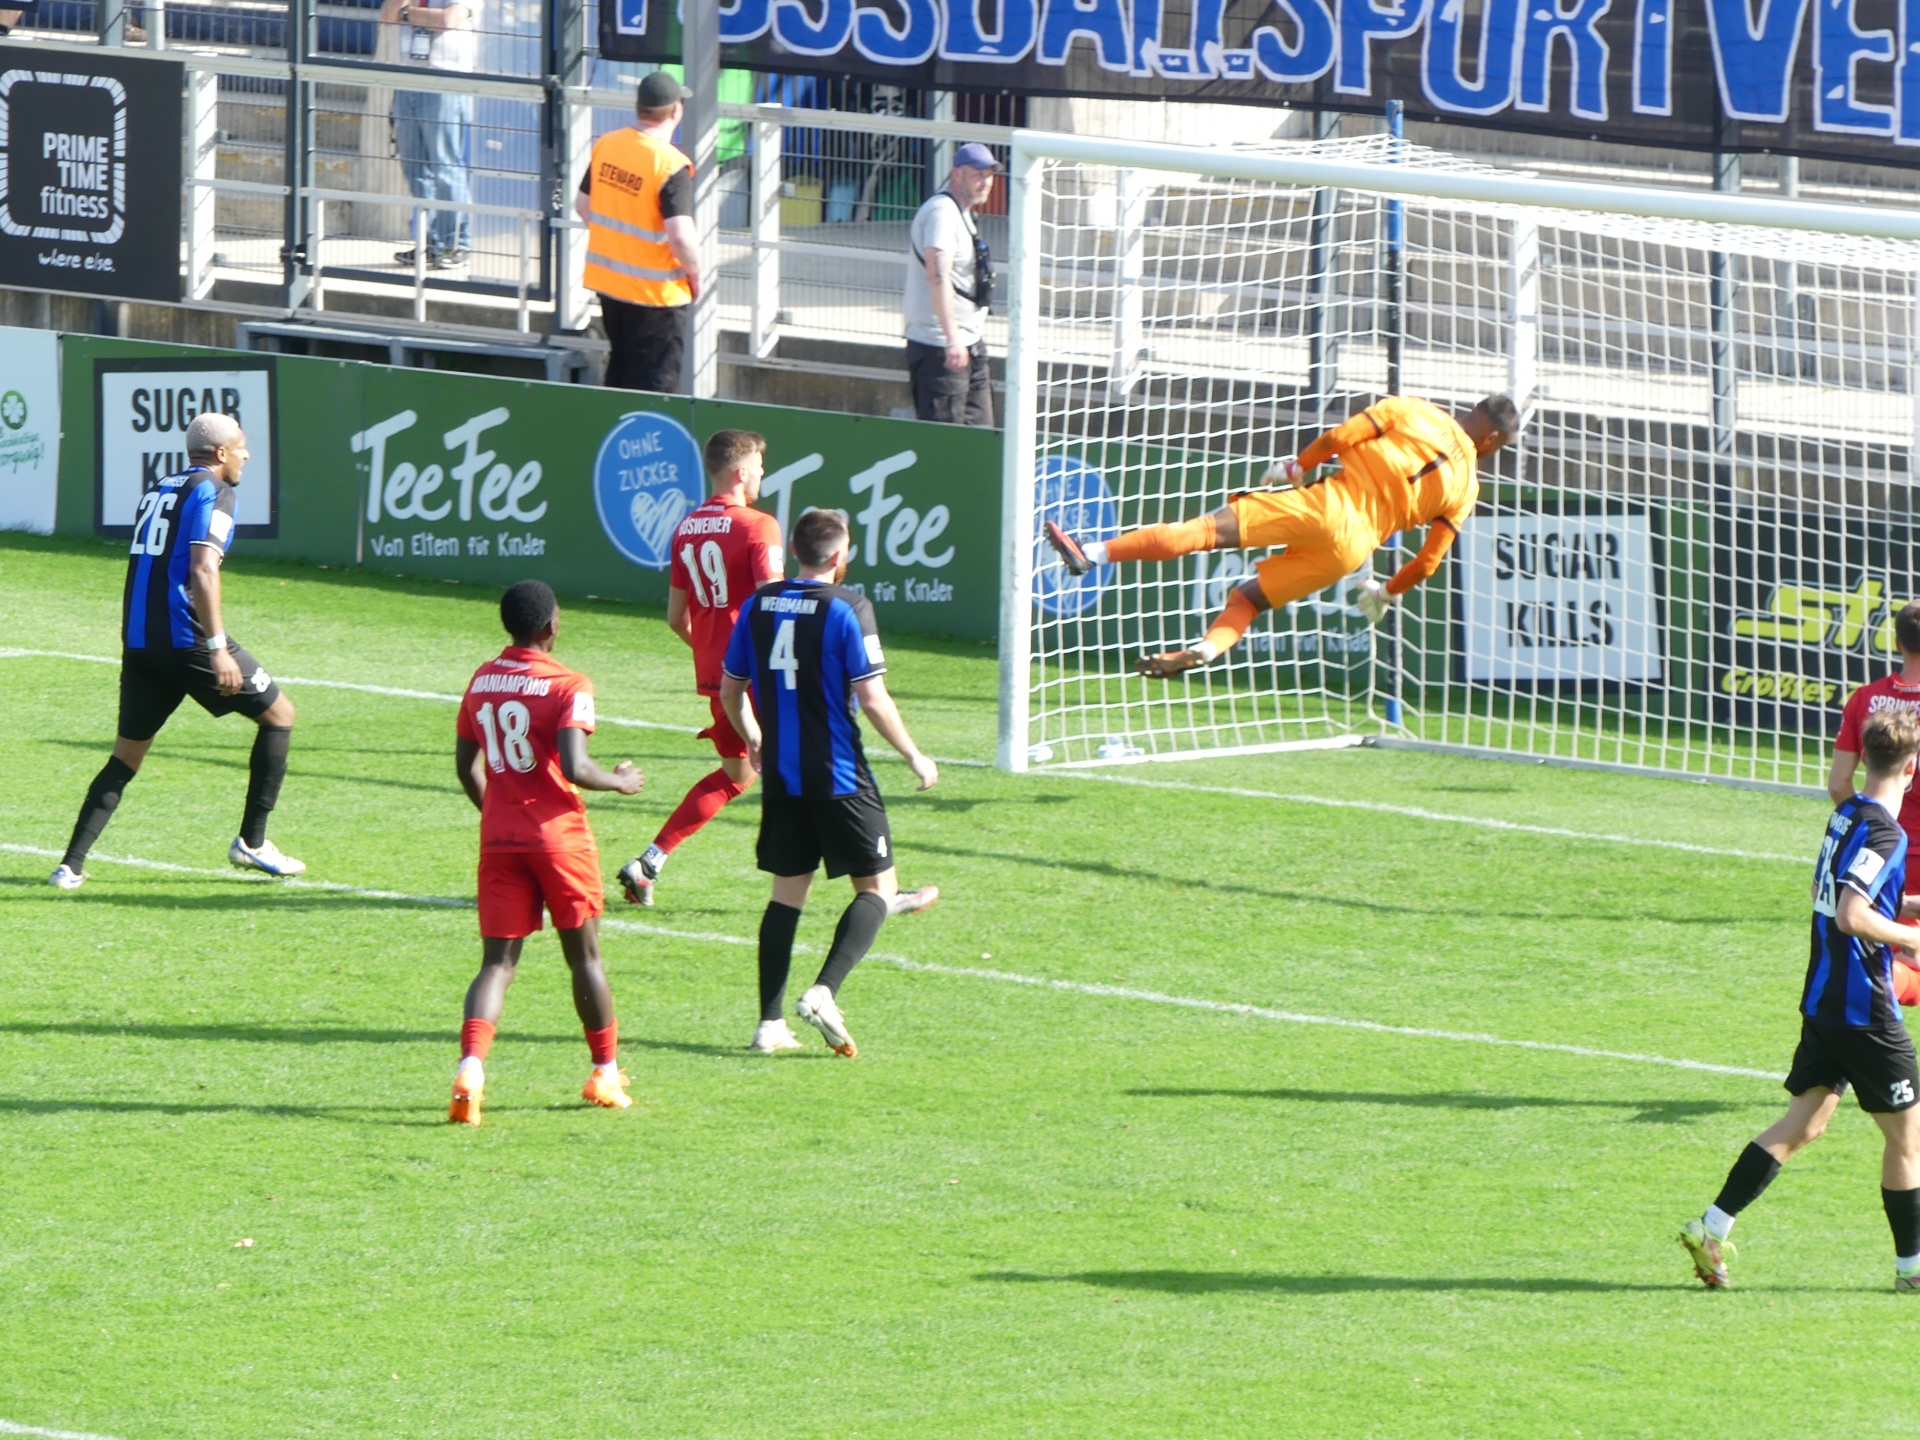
{"x": 1404, "y": 463}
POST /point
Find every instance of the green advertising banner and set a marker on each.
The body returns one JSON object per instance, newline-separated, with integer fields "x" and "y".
{"x": 488, "y": 480}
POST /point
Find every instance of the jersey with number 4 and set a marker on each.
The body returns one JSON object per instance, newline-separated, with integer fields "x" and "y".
{"x": 722, "y": 553}
{"x": 1849, "y": 980}
{"x": 514, "y": 710}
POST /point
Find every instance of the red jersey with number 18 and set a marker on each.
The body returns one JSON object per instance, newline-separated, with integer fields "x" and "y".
{"x": 514, "y": 710}
{"x": 722, "y": 553}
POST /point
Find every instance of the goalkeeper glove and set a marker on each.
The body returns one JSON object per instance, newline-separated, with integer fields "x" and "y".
{"x": 1372, "y": 600}
{"x": 1283, "y": 472}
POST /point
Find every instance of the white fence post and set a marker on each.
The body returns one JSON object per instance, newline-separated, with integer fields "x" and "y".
{"x": 203, "y": 154}
{"x": 1523, "y": 354}
{"x": 1129, "y": 248}
{"x": 763, "y": 195}
{"x": 571, "y": 299}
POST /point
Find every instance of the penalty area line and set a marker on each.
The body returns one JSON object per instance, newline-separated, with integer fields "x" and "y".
{"x": 1000, "y": 977}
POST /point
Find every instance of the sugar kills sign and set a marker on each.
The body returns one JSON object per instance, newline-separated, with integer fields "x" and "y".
{"x": 90, "y": 173}
{"x": 1837, "y": 78}
{"x": 142, "y": 409}
{"x": 1551, "y": 598}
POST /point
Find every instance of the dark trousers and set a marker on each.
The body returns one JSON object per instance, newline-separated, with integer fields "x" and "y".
{"x": 953, "y": 397}
{"x": 645, "y": 345}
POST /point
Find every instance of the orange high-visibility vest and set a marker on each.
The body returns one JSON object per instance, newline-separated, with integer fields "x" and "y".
{"x": 627, "y": 254}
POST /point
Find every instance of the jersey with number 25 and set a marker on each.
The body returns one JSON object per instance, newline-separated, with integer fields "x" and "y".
{"x": 514, "y": 710}
{"x": 721, "y": 554}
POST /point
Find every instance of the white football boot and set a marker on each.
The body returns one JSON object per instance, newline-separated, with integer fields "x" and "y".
{"x": 265, "y": 857}
{"x": 912, "y": 902}
{"x": 773, "y": 1036}
{"x": 64, "y": 877}
{"x": 818, "y": 1009}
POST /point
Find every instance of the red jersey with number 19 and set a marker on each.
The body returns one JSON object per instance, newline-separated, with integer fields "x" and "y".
{"x": 514, "y": 710}
{"x": 1888, "y": 692}
{"x": 722, "y": 553}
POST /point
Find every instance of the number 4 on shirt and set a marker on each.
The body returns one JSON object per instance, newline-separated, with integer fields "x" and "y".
{"x": 782, "y": 658}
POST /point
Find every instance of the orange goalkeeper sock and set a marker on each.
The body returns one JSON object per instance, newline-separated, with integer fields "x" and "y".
{"x": 1162, "y": 542}
{"x": 1232, "y": 624}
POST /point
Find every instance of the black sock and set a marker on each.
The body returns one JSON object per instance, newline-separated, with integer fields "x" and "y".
{"x": 103, "y": 796}
{"x": 266, "y": 768}
{"x": 1903, "y": 1214}
{"x": 1748, "y": 1180}
{"x": 776, "y": 956}
{"x": 852, "y": 938}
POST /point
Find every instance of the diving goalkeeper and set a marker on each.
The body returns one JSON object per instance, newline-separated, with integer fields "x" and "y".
{"x": 1404, "y": 463}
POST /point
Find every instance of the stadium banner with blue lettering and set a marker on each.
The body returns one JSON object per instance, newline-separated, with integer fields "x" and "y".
{"x": 1836, "y": 79}
{"x": 488, "y": 480}
{"x": 1803, "y": 613}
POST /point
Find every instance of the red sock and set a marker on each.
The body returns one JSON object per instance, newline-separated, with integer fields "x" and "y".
{"x": 476, "y": 1038}
{"x": 603, "y": 1044}
{"x": 704, "y": 801}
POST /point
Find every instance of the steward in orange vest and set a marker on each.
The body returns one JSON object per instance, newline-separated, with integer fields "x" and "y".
{"x": 642, "y": 249}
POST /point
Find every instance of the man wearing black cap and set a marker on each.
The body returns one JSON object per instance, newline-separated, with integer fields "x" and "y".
{"x": 948, "y": 289}
{"x": 643, "y": 253}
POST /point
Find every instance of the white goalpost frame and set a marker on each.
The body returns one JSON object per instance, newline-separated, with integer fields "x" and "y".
{"x": 1033, "y": 150}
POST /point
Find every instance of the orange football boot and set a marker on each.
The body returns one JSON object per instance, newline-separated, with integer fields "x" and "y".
{"x": 609, "y": 1093}
{"x": 465, "y": 1107}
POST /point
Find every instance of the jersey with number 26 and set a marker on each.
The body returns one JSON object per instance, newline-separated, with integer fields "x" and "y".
{"x": 721, "y": 554}
{"x": 1850, "y": 980}
{"x": 514, "y": 710}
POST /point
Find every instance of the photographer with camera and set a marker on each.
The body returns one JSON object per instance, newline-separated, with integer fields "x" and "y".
{"x": 947, "y": 296}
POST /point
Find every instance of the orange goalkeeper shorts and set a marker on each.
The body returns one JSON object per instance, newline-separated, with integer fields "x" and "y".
{"x": 1325, "y": 538}
{"x": 514, "y": 884}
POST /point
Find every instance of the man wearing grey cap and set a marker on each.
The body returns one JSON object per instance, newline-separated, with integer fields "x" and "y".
{"x": 643, "y": 253}
{"x": 948, "y": 289}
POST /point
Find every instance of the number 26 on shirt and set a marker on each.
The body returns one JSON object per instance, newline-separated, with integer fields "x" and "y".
{"x": 507, "y": 734}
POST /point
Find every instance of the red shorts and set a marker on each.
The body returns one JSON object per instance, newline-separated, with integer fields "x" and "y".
{"x": 726, "y": 740}
{"x": 515, "y": 883}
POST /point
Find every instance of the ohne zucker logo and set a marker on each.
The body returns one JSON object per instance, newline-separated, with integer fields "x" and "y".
{"x": 646, "y": 478}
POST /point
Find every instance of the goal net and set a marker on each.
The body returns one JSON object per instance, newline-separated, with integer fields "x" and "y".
{"x": 1693, "y": 553}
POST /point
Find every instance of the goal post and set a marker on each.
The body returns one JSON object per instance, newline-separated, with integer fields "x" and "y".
{"x": 1691, "y": 555}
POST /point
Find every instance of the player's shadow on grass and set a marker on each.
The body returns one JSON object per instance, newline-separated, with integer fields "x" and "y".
{"x": 1106, "y": 869}
{"x": 1645, "y": 1112}
{"x": 252, "y": 1034}
{"x": 1250, "y": 1282}
{"x": 244, "y": 896}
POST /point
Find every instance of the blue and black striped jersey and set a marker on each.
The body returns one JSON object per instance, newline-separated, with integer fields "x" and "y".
{"x": 802, "y": 644}
{"x": 192, "y": 508}
{"x": 1850, "y": 981}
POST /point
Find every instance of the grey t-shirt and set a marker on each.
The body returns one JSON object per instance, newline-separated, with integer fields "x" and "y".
{"x": 942, "y": 225}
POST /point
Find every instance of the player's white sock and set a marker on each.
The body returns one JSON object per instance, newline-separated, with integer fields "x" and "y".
{"x": 654, "y": 859}
{"x": 1906, "y": 1264}
{"x": 608, "y": 1071}
{"x": 1096, "y": 551}
{"x": 1720, "y": 1224}
{"x": 472, "y": 1072}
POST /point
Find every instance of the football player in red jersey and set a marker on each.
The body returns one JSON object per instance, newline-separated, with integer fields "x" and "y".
{"x": 521, "y": 756}
{"x": 1901, "y": 691}
{"x": 722, "y": 552}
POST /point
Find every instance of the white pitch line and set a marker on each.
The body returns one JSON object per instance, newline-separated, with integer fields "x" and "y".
{"x": 1415, "y": 812}
{"x": 1410, "y": 812}
{"x": 1003, "y": 977}
{"x": 8, "y": 1427}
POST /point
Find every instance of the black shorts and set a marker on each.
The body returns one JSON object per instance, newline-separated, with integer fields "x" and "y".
{"x": 154, "y": 682}
{"x": 1877, "y": 1060}
{"x": 849, "y": 832}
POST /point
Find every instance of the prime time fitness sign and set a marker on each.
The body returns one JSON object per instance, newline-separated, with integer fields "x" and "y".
{"x": 1816, "y": 77}
{"x": 90, "y": 173}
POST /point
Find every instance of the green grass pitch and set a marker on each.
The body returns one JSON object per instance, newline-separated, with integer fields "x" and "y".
{"x": 1023, "y": 1211}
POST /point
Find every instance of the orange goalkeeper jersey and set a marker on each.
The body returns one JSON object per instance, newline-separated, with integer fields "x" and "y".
{"x": 1405, "y": 463}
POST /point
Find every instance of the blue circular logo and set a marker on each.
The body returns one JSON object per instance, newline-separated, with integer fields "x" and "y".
{"x": 1074, "y": 495}
{"x": 646, "y": 478}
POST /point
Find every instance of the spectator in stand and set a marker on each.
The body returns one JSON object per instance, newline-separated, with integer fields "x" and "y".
{"x": 433, "y": 129}
{"x": 948, "y": 289}
{"x": 643, "y": 253}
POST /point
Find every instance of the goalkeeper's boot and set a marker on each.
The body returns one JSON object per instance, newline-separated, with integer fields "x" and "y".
{"x": 264, "y": 857}
{"x": 1709, "y": 1255}
{"x": 912, "y": 902}
{"x": 1068, "y": 548}
{"x": 65, "y": 877}
{"x": 638, "y": 874}
{"x": 468, "y": 1083}
{"x": 818, "y": 1009}
{"x": 606, "y": 1088}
